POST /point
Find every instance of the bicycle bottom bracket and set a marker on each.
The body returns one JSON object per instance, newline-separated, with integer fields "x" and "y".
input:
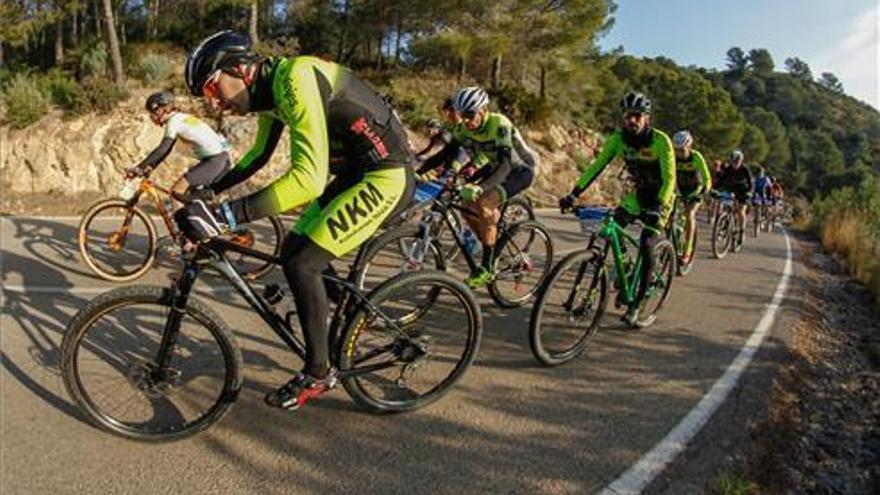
{"x": 273, "y": 293}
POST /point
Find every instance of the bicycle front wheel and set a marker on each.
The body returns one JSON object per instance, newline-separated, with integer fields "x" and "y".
{"x": 264, "y": 235}
{"x": 569, "y": 308}
{"x": 109, "y": 365}
{"x": 117, "y": 241}
{"x": 517, "y": 209}
{"x": 722, "y": 234}
{"x": 524, "y": 255}
{"x": 394, "y": 364}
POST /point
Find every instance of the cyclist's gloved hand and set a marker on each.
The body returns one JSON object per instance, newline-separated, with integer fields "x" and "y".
{"x": 566, "y": 203}
{"x": 467, "y": 171}
{"x": 200, "y": 221}
{"x": 471, "y": 192}
{"x": 715, "y": 193}
{"x": 137, "y": 171}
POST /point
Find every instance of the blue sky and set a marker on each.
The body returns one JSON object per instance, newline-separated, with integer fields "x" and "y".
{"x": 839, "y": 36}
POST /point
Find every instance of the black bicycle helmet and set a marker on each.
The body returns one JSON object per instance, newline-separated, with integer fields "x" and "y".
{"x": 635, "y": 101}
{"x": 218, "y": 51}
{"x": 158, "y": 100}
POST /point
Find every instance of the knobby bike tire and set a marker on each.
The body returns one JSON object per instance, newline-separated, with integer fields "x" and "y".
{"x": 116, "y": 299}
{"x": 588, "y": 262}
{"x": 535, "y": 232}
{"x": 364, "y": 316}
{"x": 83, "y": 236}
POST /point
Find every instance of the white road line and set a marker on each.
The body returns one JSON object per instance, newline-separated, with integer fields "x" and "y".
{"x": 643, "y": 472}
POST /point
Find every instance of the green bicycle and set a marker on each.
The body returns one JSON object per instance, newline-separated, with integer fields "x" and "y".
{"x": 571, "y": 303}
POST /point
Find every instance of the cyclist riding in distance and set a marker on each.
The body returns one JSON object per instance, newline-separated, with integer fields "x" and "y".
{"x": 440, "y": 133}
{"x": 763, "y": 184}
{"x": 210, "y": 148}
{"x": 650, "y": 161}
{"x": 504, "y": 167}
{"x": 693, "y": 179}
{"x": 338, "y": 125}
{"x": 737, "y": 179}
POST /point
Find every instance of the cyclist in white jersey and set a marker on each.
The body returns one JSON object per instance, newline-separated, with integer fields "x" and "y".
{"x": 210, "y": 148}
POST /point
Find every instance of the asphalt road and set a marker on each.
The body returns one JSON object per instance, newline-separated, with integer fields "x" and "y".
{"x": 510, "y": 425}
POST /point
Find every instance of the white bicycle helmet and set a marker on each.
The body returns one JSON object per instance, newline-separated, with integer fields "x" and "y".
{"x": 682, "y": 139}
{"x": 470, "y": 100}
{"x": 737, "y": 156}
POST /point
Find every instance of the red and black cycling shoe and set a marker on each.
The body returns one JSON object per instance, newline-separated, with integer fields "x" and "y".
{"x": 300, "y": 389}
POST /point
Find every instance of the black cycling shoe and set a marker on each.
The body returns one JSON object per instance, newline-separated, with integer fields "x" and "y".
{"x": 299, "y": 390}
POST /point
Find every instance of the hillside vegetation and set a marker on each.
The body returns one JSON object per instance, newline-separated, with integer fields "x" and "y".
{"x": 538, "y": 58}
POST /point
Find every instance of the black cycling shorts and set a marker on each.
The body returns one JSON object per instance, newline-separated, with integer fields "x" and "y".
{"x": 518, "y": 180}
{"x": 741, "y": 194}
{"x": 208, "y": 170}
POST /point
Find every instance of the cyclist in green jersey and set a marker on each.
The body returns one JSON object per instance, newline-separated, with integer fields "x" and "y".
{"x": 338, "y": 126}
{"x": 693, "y": 180}
{"x": 650, "y": 161}
{"x": 504, "y": 167}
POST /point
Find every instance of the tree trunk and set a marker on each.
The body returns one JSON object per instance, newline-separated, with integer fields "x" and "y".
{"x": 462, "y": 67}
{"x": 59, "y": 37}
{"x": 97, "y": 18}
{"x": 380, "y": 39}
{"x": 113, "y": 43}
{"x": 496, "y": 72}
{"x": 74, "y": 27}
{"x": 1, "y": 54}
{"x": 152, "y": 18}
{"x": 399, "y": 35}
{"x": 344, "y": 32}
{"x": 543, "y": 91}
{"x": 120, "y": 20}
{"x": 252, "y": 24}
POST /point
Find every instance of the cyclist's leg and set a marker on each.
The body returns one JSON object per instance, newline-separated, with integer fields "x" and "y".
{"x": 693, "y": 205}
{"x": 519, "y": 179}
{"x": 202, "y": 174}
{"x": 343, "y": 218}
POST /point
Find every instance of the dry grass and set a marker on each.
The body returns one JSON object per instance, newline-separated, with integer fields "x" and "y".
{"x": 845, "y": 235}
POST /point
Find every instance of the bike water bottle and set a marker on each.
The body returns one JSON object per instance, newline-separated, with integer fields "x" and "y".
{"x": 471, "y": 243}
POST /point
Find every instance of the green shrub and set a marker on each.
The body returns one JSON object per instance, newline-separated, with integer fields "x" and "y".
{"x": 93, "y": 61}
{"x": 154, "y": 69}
{"x": 24, "y": 101}
{"x": 100, "y": 95}
{"x": 521, "y": 106}
{"x": 61, "y": 90}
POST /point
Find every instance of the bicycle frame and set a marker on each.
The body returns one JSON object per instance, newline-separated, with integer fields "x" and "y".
{"x": 213, "y": 253}
{"x": 616, "y": 238}
{"x": 149, "y": 188}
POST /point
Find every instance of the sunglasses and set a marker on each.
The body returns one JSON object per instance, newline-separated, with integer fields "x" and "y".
{"x": 210, "y": 88}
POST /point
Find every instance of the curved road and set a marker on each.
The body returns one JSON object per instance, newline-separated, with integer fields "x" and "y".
{"x": 510, "y": 426}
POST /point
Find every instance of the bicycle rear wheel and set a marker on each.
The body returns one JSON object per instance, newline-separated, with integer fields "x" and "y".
{"x": 569, "y": 308}
{"x": 661, "y": 281}
{"x": 117, "y": 241}
{"x": 108, "y": 363}
{"x": 517, "y": 209}
{"x": 524, "y": 255}
{"x": 394, "y": 364}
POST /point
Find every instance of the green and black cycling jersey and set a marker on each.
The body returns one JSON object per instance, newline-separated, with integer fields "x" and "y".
{"x": 650, "y": 161}
{"x": 692, "y": 174}
{"x": 494, "y": 149}
{"x": 333, "y": 117}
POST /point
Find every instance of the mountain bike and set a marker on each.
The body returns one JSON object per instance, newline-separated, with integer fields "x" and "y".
{"x": 675, "y": 232}
{"x": 571, "y": 303}
{"x": 119, "y": 241}
{"x": 724, "y": 227}
{"x": 156, "y": 363}
{"x": 760, "y": 215}
{"x": 524, "y": 250}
